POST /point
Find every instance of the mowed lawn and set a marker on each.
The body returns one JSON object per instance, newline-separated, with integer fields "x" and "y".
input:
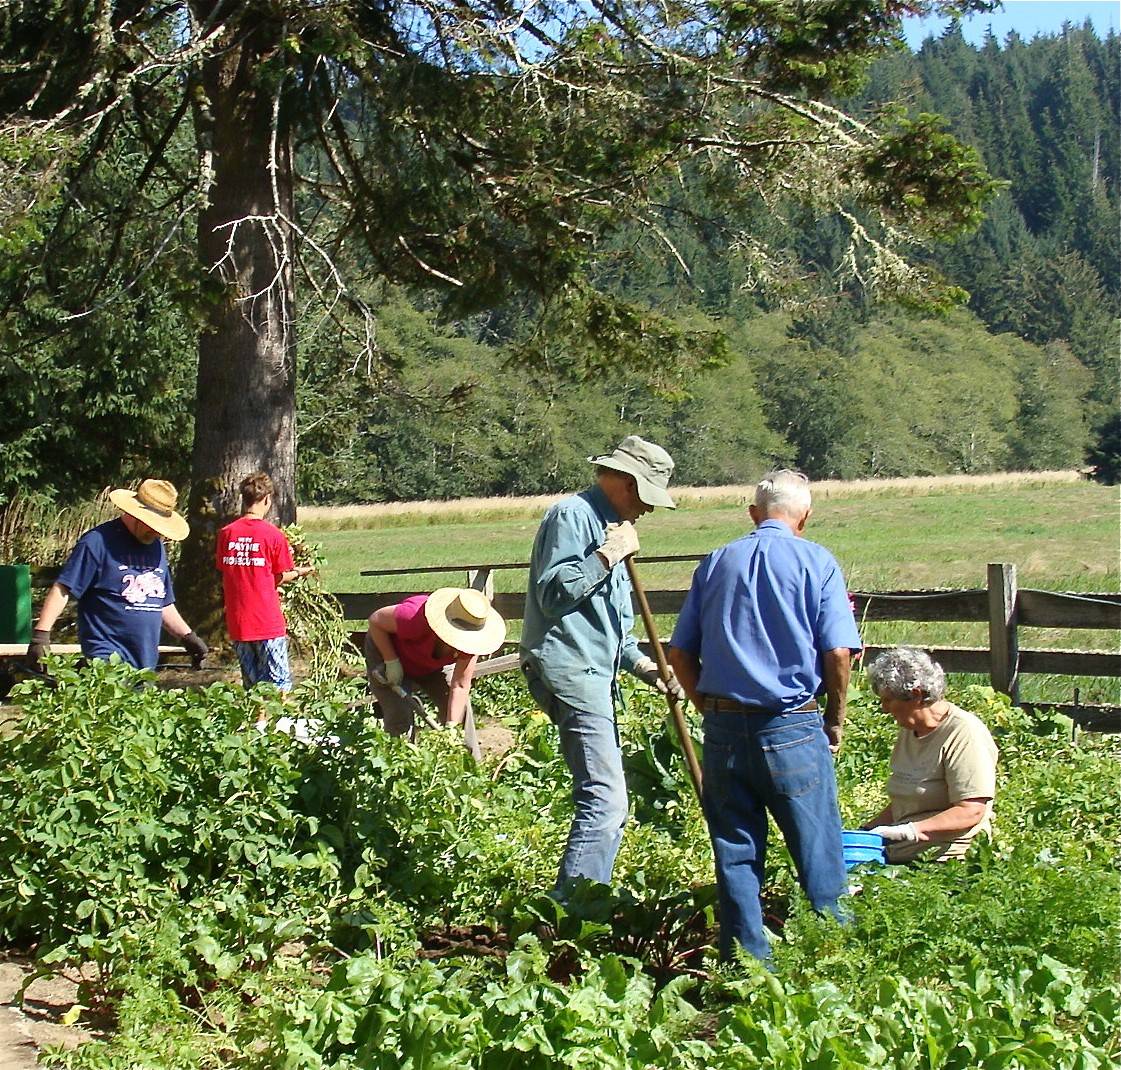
{"x": 1061, "y": 536}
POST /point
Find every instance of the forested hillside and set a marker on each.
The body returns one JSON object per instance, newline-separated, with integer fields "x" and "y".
{"x": 792, "y": 364}
{"x": 1017, "y": 377}
{"x": 1046, "y": 263}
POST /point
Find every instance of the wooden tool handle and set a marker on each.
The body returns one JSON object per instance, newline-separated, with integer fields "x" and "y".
{"x": 666, "y": 675}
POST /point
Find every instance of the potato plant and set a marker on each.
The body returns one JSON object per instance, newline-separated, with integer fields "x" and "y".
{"x": 254, "y": 901}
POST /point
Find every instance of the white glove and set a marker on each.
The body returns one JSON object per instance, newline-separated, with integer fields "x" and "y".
{"x": 621, "y": 541}
{"x": 904, "y": 833}
{"x": 646, "y": 669}
{"x": 394, "y": 673}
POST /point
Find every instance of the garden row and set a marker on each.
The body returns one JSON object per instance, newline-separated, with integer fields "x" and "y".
{"x": 254, "y": 902}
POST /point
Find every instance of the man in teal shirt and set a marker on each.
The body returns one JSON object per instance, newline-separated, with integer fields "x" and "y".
{"x": 576, "y": 636}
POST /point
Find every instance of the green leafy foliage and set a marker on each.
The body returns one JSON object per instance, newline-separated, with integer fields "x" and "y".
{"x": 1104, "y": 454}
{"x": 437, "y": 407}
{"x": 122, "y": 803}
{"x": 920, "y": 168}
{"x": 254, "y": 901}
{"x": 373, "y": 1015}
{"x": 316, "y": 629}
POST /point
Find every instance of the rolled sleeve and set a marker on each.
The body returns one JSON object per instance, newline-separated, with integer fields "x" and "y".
{"x": 836, "y": 625}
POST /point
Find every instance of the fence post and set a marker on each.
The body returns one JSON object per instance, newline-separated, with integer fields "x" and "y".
{"x": 1004, "y": 648}
{"x": 482, "y": 580}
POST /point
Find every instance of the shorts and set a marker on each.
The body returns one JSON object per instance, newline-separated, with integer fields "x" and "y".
{"x": 265, "y": 661}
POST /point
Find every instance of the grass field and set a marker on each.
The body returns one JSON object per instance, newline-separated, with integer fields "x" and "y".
{"x": 898, "y": 534}
{"x": 1060, "y": 532}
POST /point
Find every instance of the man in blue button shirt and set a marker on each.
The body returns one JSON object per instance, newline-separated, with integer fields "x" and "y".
{"x": 576, "y": 636}
{"x": 766, "y": 629}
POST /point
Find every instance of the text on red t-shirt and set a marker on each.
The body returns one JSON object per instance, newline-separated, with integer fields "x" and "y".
{"x": 252, "y": 554}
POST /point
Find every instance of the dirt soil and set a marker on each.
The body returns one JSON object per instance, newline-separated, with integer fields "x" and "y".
{"x": 494, "y": 739}
{"x": 27, "y": 1028}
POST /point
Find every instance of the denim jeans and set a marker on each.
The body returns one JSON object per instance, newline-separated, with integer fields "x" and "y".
{"x": 759, "y": 762}
{"x": 590, "y": 744}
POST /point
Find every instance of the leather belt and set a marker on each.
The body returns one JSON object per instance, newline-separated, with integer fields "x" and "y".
{"x": 716, "y": 704}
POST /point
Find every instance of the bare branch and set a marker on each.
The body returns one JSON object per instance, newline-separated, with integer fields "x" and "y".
{"x": 427, "y": 268}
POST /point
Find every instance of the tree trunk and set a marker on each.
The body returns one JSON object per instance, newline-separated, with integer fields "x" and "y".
{"x": 245, "y": 414}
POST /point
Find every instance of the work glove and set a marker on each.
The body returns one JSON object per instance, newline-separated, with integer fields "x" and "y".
{"x": 39, "y": 647}
{"x": 646, "y": 669}
{"x": 394, "y": 673}
{"x": 196, "y": 647}
{"x": 621, "y": 541}
{"x": 903, "y": 833}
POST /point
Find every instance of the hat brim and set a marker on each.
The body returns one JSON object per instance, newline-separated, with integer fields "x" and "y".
{"x": 173, "y": 527}
{"x": 648, "y": 493}
{"x": 474, "y": 641}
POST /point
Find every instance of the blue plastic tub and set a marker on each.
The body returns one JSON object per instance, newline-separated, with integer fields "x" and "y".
{"x": 862, "y": 848}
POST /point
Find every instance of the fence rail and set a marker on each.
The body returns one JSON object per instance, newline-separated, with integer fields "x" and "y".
{"x": 1038, "y": 609}
{"x": 1001, "y": 604}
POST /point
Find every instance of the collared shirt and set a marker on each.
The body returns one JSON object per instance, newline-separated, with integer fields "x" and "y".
{"x": 760, "y": 613}
{"x": 576, "y": 634}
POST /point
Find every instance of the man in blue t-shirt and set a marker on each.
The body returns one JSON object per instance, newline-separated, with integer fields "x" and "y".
{"x": 118, "y": 573}
{"x": 766, "y": 629}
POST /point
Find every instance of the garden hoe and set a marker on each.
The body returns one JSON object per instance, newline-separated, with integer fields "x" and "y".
{"x": 419, "y": 712}
{"x": 664, "y": 671}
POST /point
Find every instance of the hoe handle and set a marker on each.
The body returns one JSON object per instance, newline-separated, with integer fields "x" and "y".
{"x": 664, "y": 672}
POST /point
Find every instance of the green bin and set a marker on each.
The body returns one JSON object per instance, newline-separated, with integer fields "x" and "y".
{"x": 15, "y": 604}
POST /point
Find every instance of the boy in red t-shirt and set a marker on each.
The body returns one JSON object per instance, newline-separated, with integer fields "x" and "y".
{"x": 254, "y": 558}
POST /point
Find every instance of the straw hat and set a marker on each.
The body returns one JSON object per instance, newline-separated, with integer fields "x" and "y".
{"x": 650, "y": 465}
{"x": 464, "y": 619}
{"x": 154, "y": 503}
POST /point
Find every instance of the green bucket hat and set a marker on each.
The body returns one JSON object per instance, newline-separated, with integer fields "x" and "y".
{"x": 650, "y": 465}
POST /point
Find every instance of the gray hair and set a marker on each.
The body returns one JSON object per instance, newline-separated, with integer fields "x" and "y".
{"x": 783, "y": 491}
{"x": 898, "y": 673}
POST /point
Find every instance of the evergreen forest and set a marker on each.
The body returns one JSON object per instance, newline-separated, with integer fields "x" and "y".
{"x": 1012, "y": 366}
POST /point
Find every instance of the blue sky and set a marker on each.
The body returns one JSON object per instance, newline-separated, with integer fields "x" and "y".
{"x": 1026, "y": 17}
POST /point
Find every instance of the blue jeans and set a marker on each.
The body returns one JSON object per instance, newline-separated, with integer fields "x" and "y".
{"x": 590, "y": 744}
{"x": 759, "y": 762}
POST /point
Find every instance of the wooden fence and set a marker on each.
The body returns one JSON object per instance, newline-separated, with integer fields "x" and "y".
{"x": 1001, "y": 604}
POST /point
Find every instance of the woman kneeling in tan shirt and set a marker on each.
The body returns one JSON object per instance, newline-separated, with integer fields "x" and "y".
{"x": 943, "y": 767}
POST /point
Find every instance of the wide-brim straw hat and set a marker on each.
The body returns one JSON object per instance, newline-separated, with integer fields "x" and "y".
{"x": 154, "y": 503}
{"x": 650, "y": 465}
{"x": 464, "y": 619}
